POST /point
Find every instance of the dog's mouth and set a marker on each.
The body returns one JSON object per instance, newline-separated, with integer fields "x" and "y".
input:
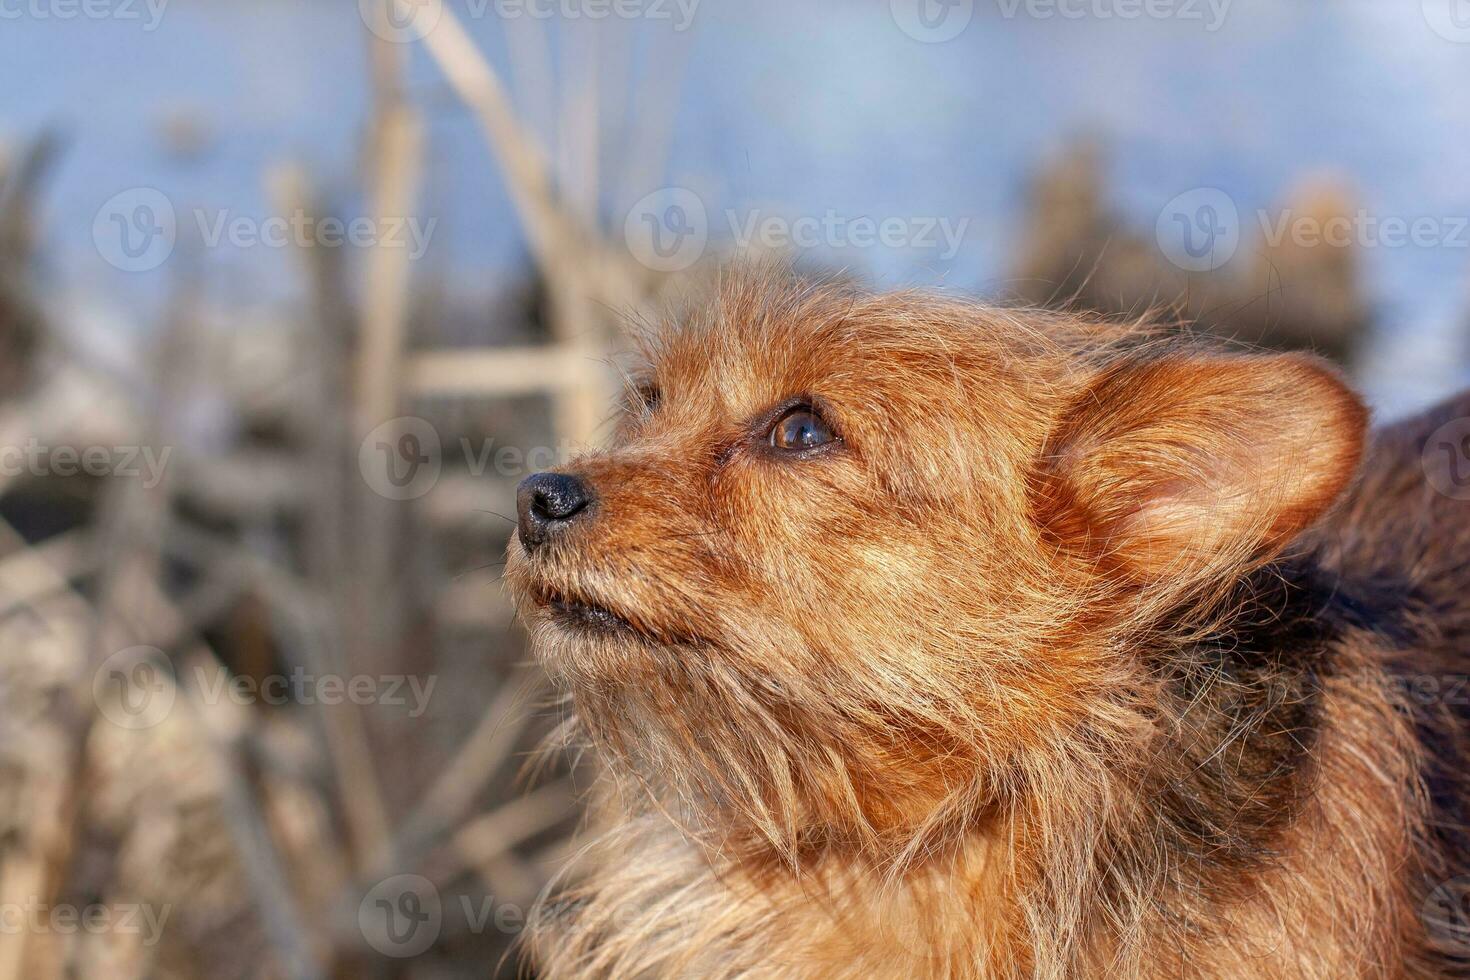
{"x": 578, "y": 612}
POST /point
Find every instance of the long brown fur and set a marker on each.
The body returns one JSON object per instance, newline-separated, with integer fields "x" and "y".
{"x": 1088, "y": 651}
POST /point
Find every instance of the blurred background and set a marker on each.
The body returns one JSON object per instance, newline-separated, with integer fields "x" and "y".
{"x": 292, "y": 294}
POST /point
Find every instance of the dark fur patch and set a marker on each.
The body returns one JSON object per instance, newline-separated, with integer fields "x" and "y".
{"x": 1249, "y": 693}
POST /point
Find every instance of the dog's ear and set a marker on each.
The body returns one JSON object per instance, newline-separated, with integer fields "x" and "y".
{"x": 1187, "y": 464}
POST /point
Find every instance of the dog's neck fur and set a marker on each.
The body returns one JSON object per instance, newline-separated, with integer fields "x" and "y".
{"x": 1277, "y": 743}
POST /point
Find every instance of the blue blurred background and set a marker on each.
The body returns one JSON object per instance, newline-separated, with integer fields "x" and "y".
{"x": 792, "y": 109}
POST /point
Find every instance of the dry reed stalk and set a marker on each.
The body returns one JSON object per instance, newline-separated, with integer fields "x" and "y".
{"x": 315, "y": 603}
{"x": 583, "y": 275}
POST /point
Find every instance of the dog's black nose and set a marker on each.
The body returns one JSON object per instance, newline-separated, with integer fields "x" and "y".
{"x": 546, "y": 502}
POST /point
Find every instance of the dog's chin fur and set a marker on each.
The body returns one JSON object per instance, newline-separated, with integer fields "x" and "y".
{"x": 1050, "y": 668}
{"x": 747, "y": 755}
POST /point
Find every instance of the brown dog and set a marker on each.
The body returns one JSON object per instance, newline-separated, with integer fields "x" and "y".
{"x": 930, "y": 640}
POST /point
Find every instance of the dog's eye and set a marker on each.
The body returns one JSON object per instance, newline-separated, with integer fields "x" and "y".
{"x": 801, "y": 428}
{"x": 646, "y": 398}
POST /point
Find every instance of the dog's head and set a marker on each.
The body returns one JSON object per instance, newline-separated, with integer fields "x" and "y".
{"x": 855, "y": 569}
